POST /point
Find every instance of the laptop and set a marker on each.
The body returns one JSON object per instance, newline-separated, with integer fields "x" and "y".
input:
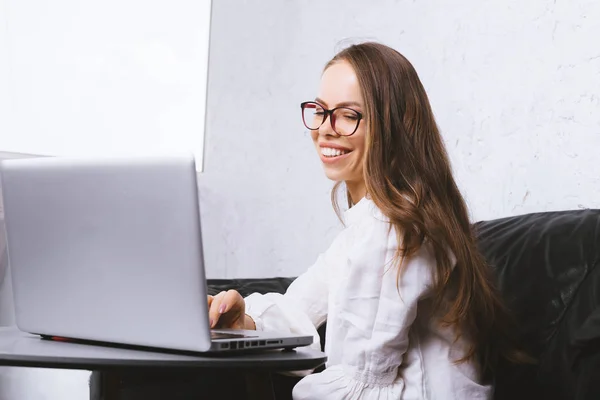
{"x": 109, "y": 249}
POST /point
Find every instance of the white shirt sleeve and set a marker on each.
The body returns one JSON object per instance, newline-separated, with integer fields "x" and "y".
{"x": 303, "y": 308}
{"x": 372, "y": 319}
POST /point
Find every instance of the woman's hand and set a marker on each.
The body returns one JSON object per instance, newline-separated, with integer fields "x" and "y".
{"x": 228, "y": 310}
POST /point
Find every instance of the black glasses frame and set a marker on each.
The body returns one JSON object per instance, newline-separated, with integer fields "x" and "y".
{"x": 329, "y": 113}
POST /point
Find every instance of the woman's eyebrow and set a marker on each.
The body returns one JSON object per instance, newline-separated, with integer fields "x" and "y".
{"x": 342, "y": 104}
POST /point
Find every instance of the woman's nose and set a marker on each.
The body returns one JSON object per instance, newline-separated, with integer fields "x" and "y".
{"x": 326, "y": 128}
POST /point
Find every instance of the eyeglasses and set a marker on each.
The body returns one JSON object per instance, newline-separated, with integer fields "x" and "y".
{"x": 344, "y": 121}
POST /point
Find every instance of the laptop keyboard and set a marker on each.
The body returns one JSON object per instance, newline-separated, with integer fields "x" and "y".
{"x": 222, "y": 335}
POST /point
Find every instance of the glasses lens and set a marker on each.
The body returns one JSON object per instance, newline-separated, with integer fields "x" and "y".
{"x": 313, "y": 115}
{"x": 346, "y": 121}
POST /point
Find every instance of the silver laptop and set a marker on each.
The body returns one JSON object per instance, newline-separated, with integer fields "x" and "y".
{"x": 110, "y": 250}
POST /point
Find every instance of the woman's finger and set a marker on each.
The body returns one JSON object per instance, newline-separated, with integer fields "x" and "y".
{"x": 213, "y": 312}
{"x": 230, "y": 299}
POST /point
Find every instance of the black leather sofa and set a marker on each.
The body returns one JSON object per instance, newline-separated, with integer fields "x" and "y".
{"x": 547, "y": 265}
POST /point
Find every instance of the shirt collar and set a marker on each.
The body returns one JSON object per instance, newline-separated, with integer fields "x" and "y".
{"x": 361, "y": 209}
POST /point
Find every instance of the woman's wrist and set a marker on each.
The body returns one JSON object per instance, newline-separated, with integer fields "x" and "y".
{"x": 249, "y": 323}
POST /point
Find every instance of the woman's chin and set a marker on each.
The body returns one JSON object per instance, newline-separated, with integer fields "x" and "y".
{"x": 334, "y": 175}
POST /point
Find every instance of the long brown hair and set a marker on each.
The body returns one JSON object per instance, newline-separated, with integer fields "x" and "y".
{"x": 408, "y": 176}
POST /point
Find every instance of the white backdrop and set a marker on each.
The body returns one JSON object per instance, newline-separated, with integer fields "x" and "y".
{"x": 94, "y": 78}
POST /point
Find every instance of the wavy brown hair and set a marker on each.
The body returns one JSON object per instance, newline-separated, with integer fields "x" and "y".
{"x": 408, "y": 176}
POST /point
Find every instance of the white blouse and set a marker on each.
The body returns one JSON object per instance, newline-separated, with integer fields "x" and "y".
{"x": 381, "y": 341}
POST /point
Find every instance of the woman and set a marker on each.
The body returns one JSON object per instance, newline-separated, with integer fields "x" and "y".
{"x": 411, "y": 310}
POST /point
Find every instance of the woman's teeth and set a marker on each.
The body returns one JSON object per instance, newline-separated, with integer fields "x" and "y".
{"x": 330, "y": 152}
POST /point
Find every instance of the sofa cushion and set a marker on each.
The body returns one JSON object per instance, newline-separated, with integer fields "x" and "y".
{"x": 547, "y": 269}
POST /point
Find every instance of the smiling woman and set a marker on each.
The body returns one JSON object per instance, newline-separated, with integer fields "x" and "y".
{"x": 411, "y": 308}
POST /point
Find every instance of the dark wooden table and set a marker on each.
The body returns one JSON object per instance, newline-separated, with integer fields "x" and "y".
{"x": 20, "y": 349}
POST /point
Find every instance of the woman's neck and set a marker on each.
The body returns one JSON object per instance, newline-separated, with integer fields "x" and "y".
{"x": 357, "y": 190}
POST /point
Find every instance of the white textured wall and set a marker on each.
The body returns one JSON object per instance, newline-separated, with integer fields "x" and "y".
{"x": 515, "y": 86}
